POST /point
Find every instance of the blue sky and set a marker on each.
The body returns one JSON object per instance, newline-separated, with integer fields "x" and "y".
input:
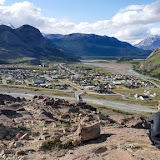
{"x": 81, "y": 10}
{"x": 127, "y": 20}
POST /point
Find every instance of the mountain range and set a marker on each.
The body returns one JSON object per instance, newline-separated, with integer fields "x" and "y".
{"x": 149, "y": 43}
{"x": 27, "y": 41}
{"x": 95, "y": 45}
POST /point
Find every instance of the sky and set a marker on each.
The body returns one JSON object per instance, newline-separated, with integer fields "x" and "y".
{"x": 127, "y": 20}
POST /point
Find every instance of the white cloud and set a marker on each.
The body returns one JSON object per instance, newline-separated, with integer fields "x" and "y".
{"x": 155, "y": 31}
{"x": 131, "y": 24}
{"x": 2, "y": 1}
{"x": 133, "y": 7}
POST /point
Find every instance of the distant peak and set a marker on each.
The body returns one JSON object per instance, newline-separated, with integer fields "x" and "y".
{"x": 149, "y": 43}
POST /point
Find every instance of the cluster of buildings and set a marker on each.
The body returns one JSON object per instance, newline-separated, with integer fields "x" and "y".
{"x": 35, "y": 78}
{"x": 89, "y": 80}
{"x": 86, "y": 78}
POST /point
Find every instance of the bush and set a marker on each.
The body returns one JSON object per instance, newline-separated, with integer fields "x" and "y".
{"x": 53, "y": 142}
{"x": 49, "y": 144}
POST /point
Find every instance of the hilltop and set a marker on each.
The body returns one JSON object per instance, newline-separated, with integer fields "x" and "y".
{"x": 27, "y": 41}
{"x": 95, "y": 45}
{"x": 51, "y": 128}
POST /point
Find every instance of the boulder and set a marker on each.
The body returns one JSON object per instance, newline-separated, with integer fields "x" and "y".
{"x": 35, "y": 97}
{"x": 45, "y": 135}
{"x": 136, "y": 122}
{"x": 49, "y": 103}
{"x": 84, "y": 106}
{"x": 18, "y": 99}
{"x": 41, "y": 97}
{"x": 11, "y": 144}
{"x": 6, "y": 151}
{"x": 25, "y": 137}
{"x": 2, "y": 102}
{"x": 3, "y": 133}
{"x": 73, "y": 110}
{"x": 20, "y": 153}
{"x": 76, "y": 141}
{"x": 23, "y": 99}
{"x": 18, "y": 135}
{"x": 18, "y": 144}
{"x": 89, "y": 132}
{"x": 65, "y": 116}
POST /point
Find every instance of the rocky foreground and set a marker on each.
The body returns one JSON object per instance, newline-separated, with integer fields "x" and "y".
{"x": 54, "y": 129}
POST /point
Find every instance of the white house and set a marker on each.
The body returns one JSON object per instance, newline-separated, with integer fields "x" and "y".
{"x": 144, "y": 97}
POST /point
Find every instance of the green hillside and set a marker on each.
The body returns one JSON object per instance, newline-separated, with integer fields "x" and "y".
{"x": 151, "y": 66}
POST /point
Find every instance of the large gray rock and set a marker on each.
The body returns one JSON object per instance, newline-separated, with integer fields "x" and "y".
{"x": 89, "y": 132}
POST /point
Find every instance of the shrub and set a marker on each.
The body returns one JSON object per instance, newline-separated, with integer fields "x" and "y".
{"x": 49, "y": 144}
{"x": 53, "y": 142}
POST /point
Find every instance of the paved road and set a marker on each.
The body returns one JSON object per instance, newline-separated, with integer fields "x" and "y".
{"x": 122, "y": 105}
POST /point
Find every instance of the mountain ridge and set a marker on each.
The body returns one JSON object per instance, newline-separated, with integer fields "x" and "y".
{"x": 27, "y": 41}
{"x": 95, "y": 45}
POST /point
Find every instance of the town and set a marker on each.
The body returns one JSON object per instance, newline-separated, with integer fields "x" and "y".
{"x": 77, "y": 80}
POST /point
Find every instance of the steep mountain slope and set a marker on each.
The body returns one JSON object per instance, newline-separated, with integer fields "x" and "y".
{"x": 27, "y": 41}
{"x": 149, "y": 43}
{"x": 151, "y": 65}
{"x": 95, "y": 45}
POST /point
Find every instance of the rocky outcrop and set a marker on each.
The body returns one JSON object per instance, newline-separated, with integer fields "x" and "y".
{"x": 9, "y": 98}
{"x": 89, "y": 132}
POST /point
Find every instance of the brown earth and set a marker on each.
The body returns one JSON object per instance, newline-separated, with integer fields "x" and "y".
{"x": 49, "y": 129}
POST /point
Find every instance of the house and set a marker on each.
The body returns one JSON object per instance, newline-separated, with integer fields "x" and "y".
{"x": 136, "y": 96}
{"x": 146, "y": 92}
{"x": 40, "y": 81}
{"x": 144, "y": 97}
{"x": 117, "y": 82}
{"x": 153, "y": 95}
{"x": 90, "y": 87}
{"x": 111, "y": 86}
{"x": 84, "y": 84}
